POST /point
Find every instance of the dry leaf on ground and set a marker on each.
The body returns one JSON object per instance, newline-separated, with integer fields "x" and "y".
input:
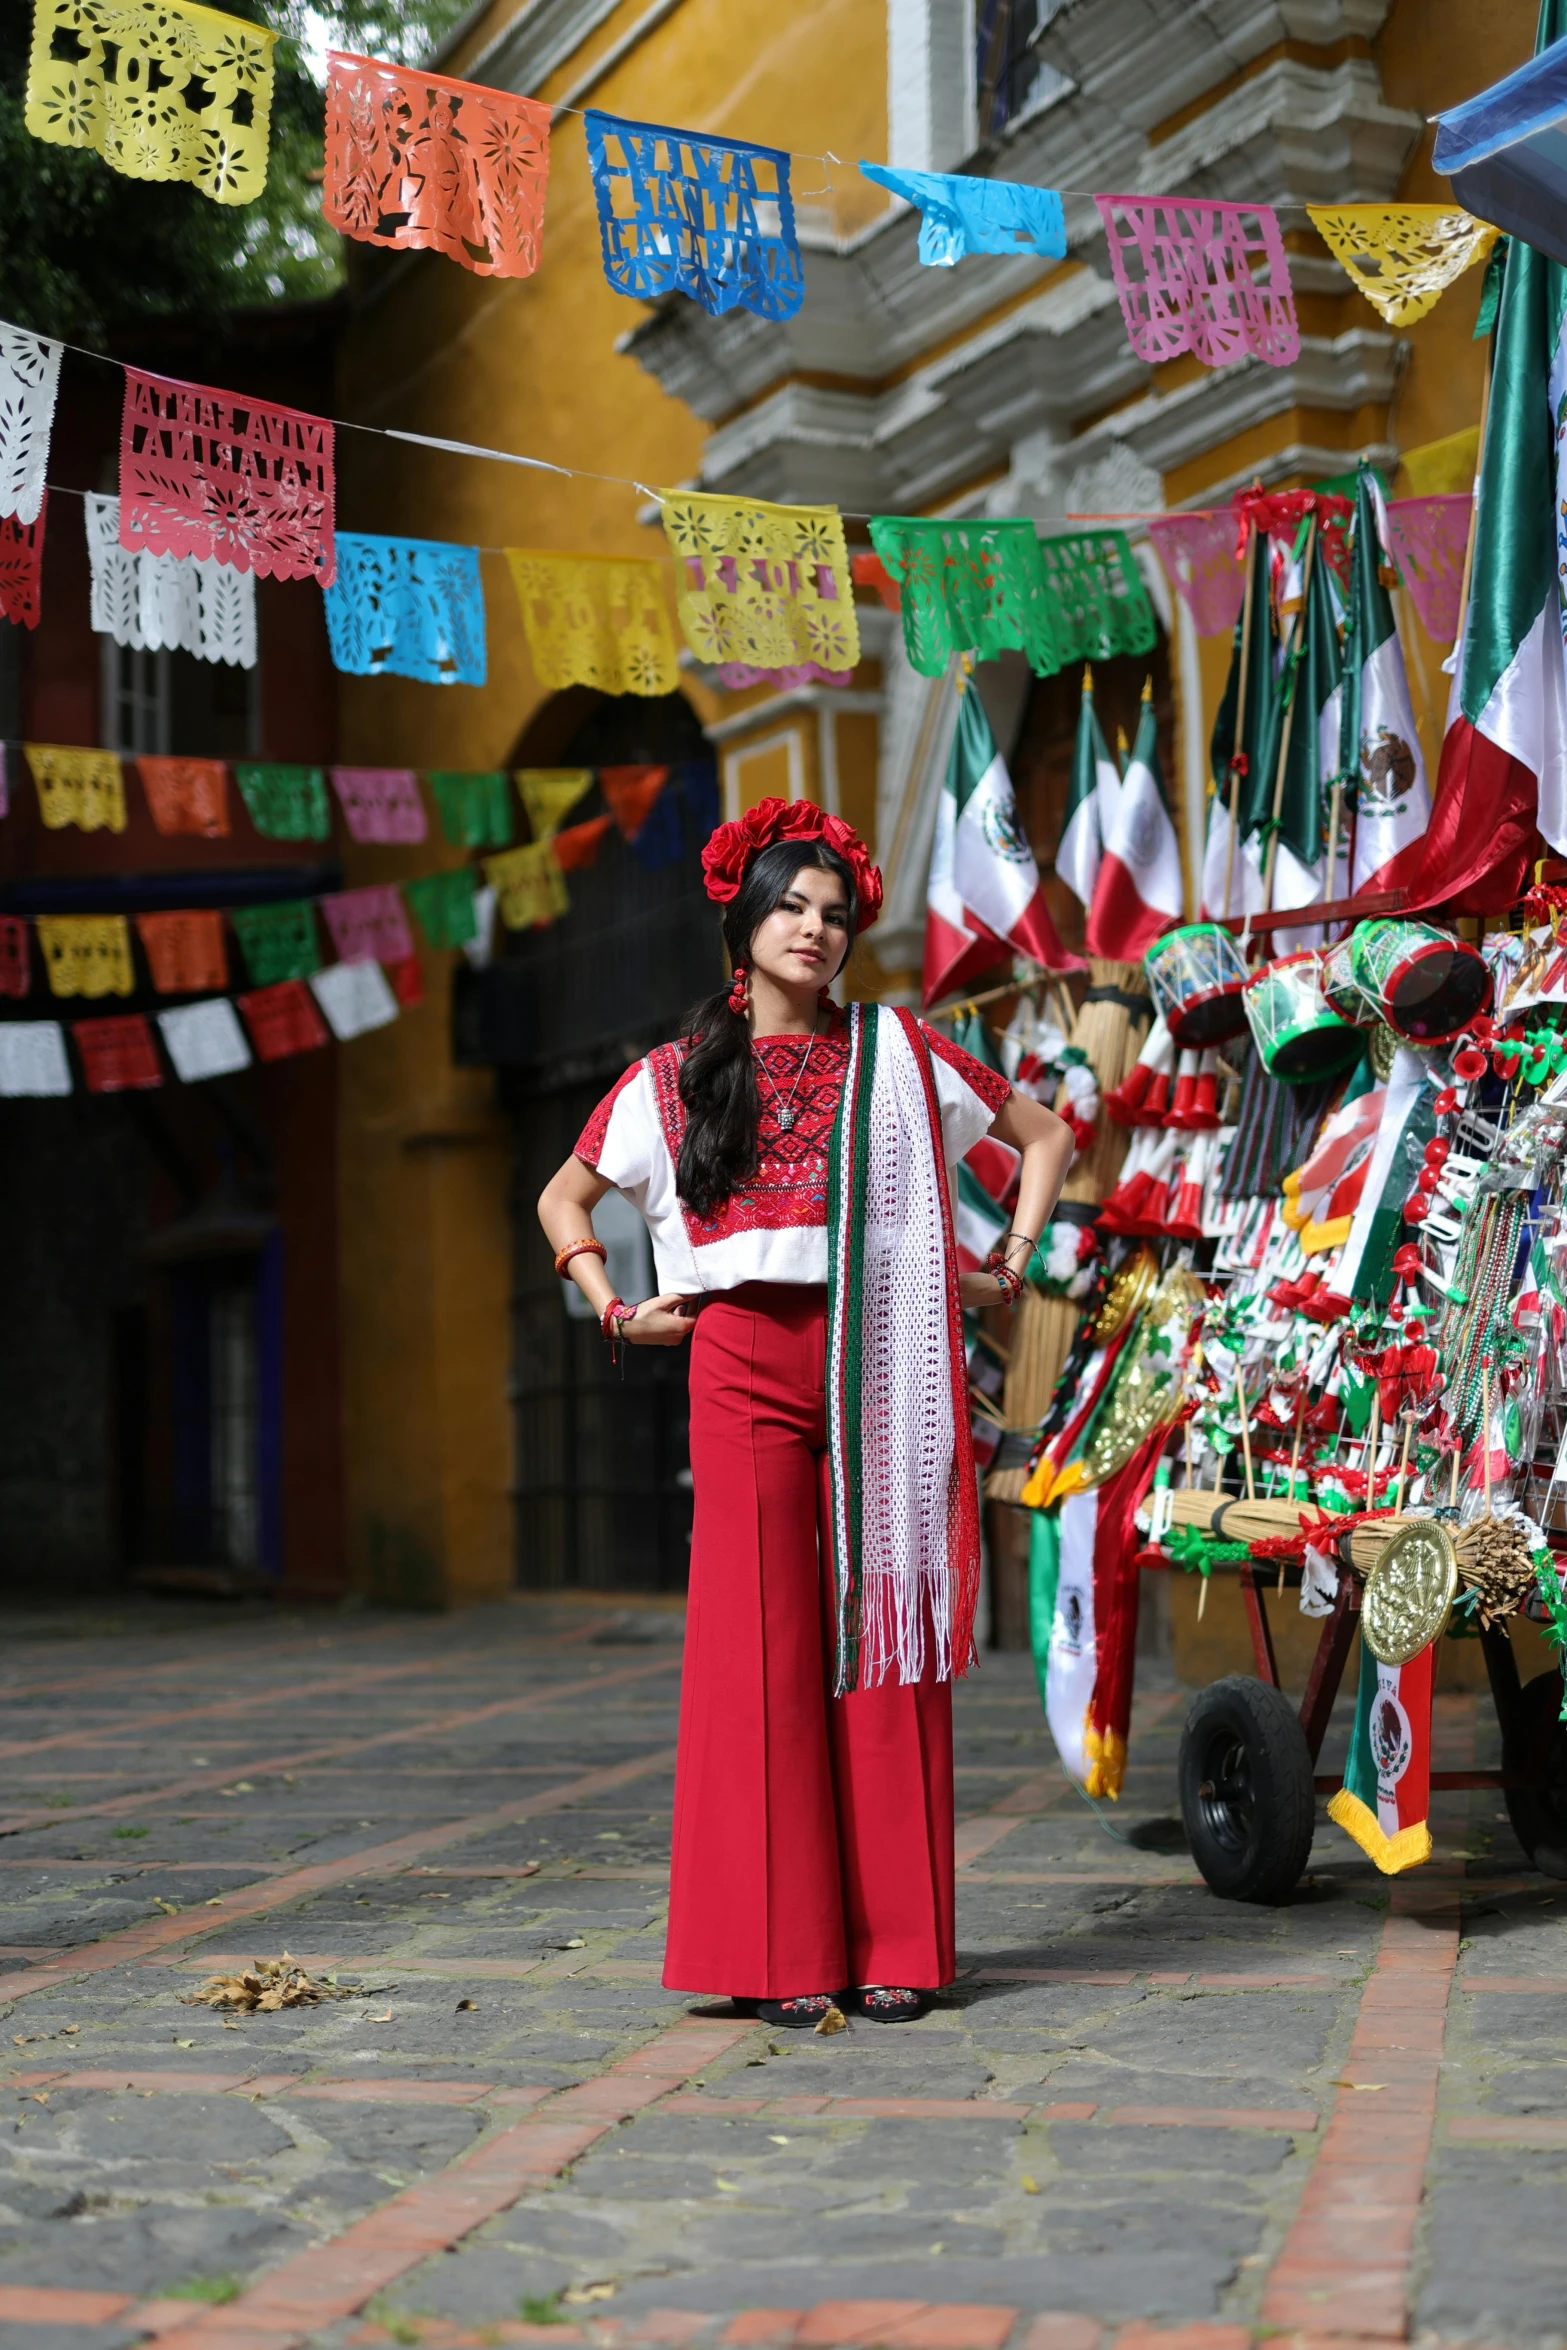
{"x": 267, "y": 1985}
{"x": 833, "y": 2021}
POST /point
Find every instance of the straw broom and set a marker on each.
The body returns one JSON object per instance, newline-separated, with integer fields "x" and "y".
{"x": 1493, "y": 1556}
{"x": 1042, "y": 1335}
{"x": 1110, "y": 1037}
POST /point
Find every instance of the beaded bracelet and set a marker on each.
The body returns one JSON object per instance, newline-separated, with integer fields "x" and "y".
{"x": 1009, "y": 1281}
{"x": 580, "y": 1248}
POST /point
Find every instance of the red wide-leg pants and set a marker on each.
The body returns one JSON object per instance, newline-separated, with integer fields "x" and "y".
{"x": 813, "y": 1834}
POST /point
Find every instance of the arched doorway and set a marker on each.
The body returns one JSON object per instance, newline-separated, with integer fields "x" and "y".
{"x": 602, "y": 1493}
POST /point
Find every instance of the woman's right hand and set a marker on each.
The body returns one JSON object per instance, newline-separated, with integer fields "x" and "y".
{"x": 661, "y": 1321}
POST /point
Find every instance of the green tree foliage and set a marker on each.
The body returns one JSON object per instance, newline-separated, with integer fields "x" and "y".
{"x": 85, "y": 251}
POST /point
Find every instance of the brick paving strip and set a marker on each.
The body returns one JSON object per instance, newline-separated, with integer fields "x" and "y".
{"x": 1344, "y": 2266}
{"x": 330, "y": 2281}
{"x": 166, "y": 1933}
{"x": 532, "y": 1701}
{"x": 397, "y": 2089}
{"x": 121, "y": 1730}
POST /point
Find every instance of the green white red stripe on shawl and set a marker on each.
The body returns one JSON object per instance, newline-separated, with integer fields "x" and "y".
{"x": 904, "y": 1517}
{"x": 1386, "y": 1795}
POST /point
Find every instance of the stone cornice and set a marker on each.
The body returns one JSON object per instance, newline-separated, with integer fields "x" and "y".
{"x": 1012, "y": 365}
{"x": 538, "y": 39}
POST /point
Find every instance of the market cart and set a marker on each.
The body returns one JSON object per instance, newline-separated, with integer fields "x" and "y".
{"x": 1248, "y": 1758}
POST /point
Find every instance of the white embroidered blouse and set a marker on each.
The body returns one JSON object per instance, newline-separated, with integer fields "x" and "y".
{"x": 775, "y": 1229}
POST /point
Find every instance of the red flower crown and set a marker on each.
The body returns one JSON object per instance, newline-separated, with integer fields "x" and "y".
{"x": 732, "y": 847}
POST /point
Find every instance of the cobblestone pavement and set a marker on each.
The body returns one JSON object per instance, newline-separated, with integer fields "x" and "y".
{"x": 1141, "y": 2117}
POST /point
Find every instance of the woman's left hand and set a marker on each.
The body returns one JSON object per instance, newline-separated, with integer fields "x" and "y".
{"x": 981, "y": 1289}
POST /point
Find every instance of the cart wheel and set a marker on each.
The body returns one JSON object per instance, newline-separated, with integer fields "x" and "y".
{"x": 1246, "y": 1790}
{"x": 1539, "y": 1813}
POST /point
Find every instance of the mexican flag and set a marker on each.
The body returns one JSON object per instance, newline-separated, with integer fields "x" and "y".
{"x": 1082, "y": 1602}
{"x": 1379, "y": 745}
{"x": 1309, "y": 684}
{"x": 1386, "y": 1793}
{"x": 985, "y": 897}
{"x": 1092, "y": 797}
{"x": 979, "y": 1222}
{"x": 1233, "y": 886}
{"x": 1504, "y": 757}
{"x": 1138, "y": 892}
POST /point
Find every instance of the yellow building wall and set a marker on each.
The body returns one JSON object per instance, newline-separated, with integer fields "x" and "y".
{"x": 531, "y": 366}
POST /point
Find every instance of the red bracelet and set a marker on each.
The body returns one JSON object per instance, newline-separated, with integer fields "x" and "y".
{"x": 617, "y": 1310}
{"x": 580, "y": 1248}
{"x": 1009, "y": 1282}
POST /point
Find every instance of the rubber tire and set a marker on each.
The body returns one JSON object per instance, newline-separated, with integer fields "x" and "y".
{"x": 1539, "y": 1814}
{"x": 1246, "y": 1790}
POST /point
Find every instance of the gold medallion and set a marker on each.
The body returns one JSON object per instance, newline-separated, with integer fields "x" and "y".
{"x": 1410, "y": 1592}
{"x": 1382, "y": 1043}
{"x": 1130, "y": 1283}
{"x": 1148, "y": 1384}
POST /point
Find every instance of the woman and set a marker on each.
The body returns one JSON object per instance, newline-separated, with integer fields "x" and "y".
{"x": 794, "y": 1164}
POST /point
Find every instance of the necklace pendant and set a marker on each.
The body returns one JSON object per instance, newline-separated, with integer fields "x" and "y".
{"x": 785, "y": 1120}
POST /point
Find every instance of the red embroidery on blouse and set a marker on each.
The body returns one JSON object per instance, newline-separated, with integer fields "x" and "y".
{"x": 994, "y": 1090}
{"x": 590, "y": 1142}
{"x": 788, "y": 1192}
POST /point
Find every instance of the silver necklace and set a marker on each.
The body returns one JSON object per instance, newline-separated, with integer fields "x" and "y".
{"x": 785, "y": 1111}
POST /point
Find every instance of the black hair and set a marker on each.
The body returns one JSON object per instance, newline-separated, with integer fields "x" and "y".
{"x": 718, "y": 1070}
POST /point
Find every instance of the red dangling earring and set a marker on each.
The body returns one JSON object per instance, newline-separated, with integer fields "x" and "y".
{"x": 737, "y": 992}
{"x": 824, "y": 997}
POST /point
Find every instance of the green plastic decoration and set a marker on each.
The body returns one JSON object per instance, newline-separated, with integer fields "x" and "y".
{"x": 444, "y": 903}
{"x": 968, "y": 587}
{"x": 476, "y": 808}
{"x": 1099, "y": 605}
{"x": 286, "y": 803}
{"x": 278, "y": 942}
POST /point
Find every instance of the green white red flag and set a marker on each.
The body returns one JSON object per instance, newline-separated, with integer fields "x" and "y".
{"x": 1300, "y": 748}
{"x": 1093, "y": 795}
{"x": 1386, "y": 1795}
{"x": 1138, "y": 891}
{"x": 1504, "y": 757}
{"x": 1379, "y": 745}
{"x": 985, "y": 898}
{"x": 1231, "y": 884}
{"x": 1082, "y": 1599}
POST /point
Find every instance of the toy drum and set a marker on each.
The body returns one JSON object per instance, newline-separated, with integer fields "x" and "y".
{"x": 1338, "y": 984}
{"x": 1426, "y": 984}
{"x": 1298, "y": 1034}
{"x": 1197, "y": 974}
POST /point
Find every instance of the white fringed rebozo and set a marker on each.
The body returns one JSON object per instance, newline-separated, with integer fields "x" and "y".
{"x": 905, "y": 1530}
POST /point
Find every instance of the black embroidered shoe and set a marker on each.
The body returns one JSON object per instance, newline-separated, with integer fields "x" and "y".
{"x": 883, "y": 2003}
{"x": 796, "y": 2015}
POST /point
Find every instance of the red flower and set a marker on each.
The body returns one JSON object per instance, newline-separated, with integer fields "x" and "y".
{"x": 732, "y": 847}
